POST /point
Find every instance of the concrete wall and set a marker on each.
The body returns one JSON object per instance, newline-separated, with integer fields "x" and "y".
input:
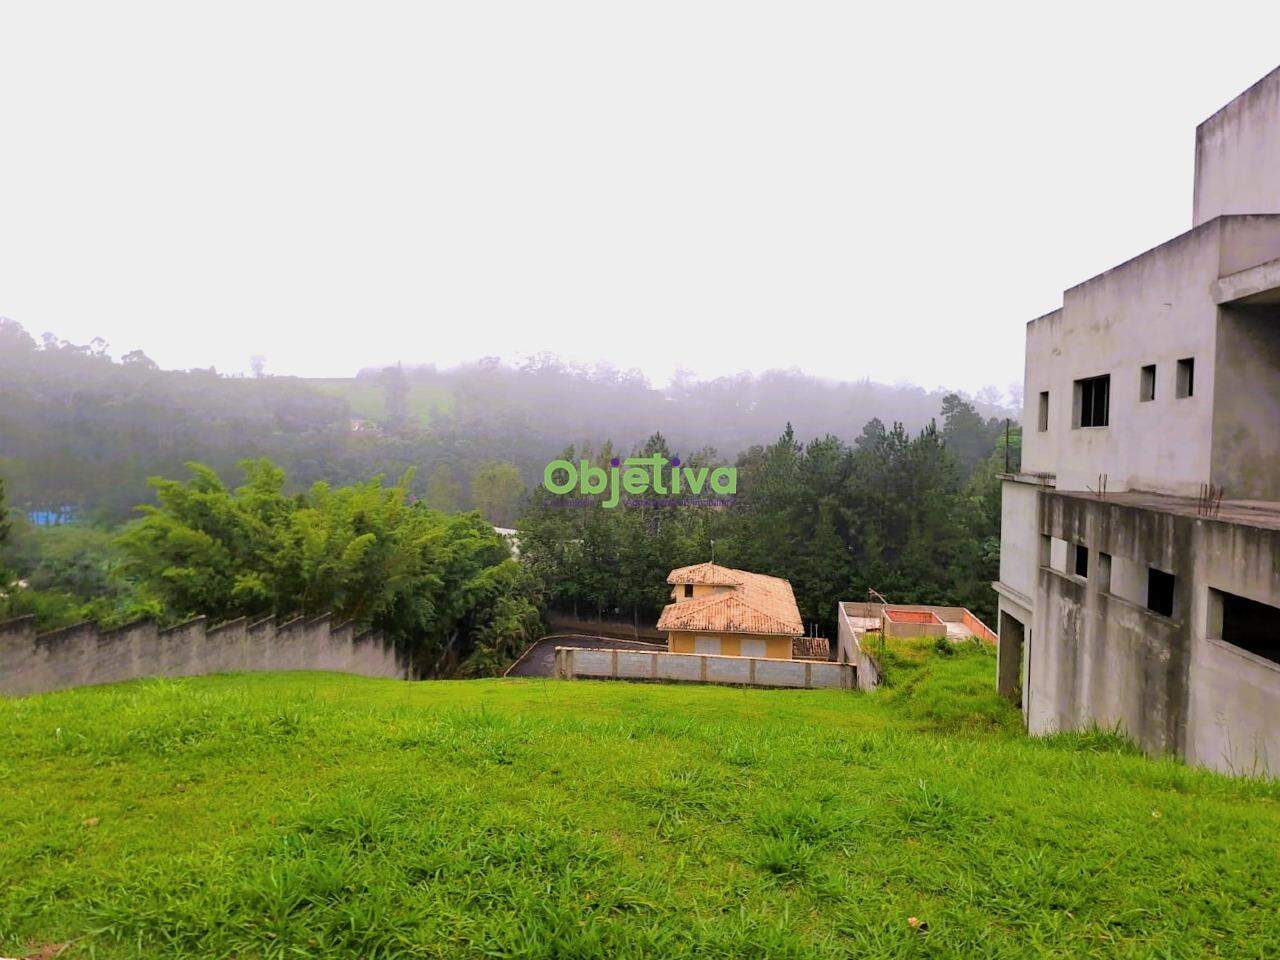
{"x": 82, "y": 654}
{"x": 1155, "y": 309}
{"x": 904, "y": 625}
{"x": 1246, "y": 404}
{"x": 1099, "y": 657}
{"x": 573, "y": 663}
{"x": 1234, "y": 709}
{"x": 851, "y": 647}
{"x": 1236, "y": 151}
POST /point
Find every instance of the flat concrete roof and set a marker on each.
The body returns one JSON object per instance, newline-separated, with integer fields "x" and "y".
{"x": 1247, "y": 513}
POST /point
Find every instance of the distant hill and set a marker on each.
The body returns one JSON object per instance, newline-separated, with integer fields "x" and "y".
{"x": 80, "y": 429}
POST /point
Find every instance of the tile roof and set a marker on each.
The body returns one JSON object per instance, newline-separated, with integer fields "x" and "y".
{"x": 811, "y": 648}
{"x": 707, "y": 573}
{"x": 755, "y": 604}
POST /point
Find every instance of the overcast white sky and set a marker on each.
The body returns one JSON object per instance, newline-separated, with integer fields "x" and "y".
{"x": 857, "y": 190}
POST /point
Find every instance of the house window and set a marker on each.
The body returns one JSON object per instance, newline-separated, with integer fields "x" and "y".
{"x": 688, "y": 589}
{"x": 1186, "y": 377}
{"x": 1093, "y": 401}
{"x": 1104, "y": 572}
{"x": 1160, "y": 592}
{"x": 1081, "y": 565}
{"x": 1043, "y": 422}
{"x": 1245, "y": 623}
{"x": 1147, "y": 386}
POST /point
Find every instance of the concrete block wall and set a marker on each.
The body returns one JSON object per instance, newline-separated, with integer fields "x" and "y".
{"x": 573, "y": 662}
{"x": 83, "y": 654}
{"x": 852, "y": 648}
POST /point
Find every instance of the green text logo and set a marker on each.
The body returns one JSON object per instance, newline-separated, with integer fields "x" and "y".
{"x": 638, "y": 476}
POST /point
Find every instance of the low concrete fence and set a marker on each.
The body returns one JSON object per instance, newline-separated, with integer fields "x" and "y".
{"x": 911, "y": 623}
{"x": 83, "y": 654}
{"x": 574, "y": 662}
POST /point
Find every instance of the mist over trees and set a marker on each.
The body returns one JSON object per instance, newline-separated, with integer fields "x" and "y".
{"x": 81, "y": 430}
{"x": 841, "y": 488}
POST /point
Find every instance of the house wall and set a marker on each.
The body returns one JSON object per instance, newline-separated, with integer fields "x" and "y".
{"x": 729, "y": 644}
{"x": 1157, "y": 309}
{"x": 1236, "y": 151}
{"x": 1100, "y": 658}
{"x": 699, "y": 590}
{"x": 83, "y": 654}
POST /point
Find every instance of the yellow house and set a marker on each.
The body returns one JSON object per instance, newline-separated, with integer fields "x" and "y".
{"x": 733, "y": 613}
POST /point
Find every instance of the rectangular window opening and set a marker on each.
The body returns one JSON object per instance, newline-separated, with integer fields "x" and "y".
{"x": 1081, "y": 566}
{"x": 1104, "y": 572}
{"x": 1160, "y": 592}
{"x": 688, "y": 589}
{"x": 1043, "y": 422}
{"x": 1186, "y": 377}
{"x": 1245, "y": 623}
{"x": 1147, "y": 388}
{"x": 1093, "y": 401}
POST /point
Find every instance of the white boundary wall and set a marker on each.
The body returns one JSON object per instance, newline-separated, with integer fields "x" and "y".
{"x": 575, "y": 662}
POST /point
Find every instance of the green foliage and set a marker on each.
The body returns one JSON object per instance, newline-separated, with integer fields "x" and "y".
{"x": 444, "y": 493}
{"x": 84, "y": 431}
{"x": 321, "y": 816}
{"x": 6, "y": 526}
{"x": 893, "y": 513}
{"x": 496, "y": 491}
{"x": 442, "y": 584}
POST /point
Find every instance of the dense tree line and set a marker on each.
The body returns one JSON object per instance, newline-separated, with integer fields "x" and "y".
{"x": 893, "y": 512}
{"x": 445, "y": 586}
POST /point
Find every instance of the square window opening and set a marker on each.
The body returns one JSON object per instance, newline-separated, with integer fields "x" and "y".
{"x": 1160, "y": 592}
{"x": 1186, "y": 377}
{"x": 1093, "y": 401}
{"x": 1245, "y": 623}
{"x": 1147, "y": 386}
{"x": 688, "y": 589}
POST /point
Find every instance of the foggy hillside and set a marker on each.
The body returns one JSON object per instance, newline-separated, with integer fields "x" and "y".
{"x": 84, "y": 430}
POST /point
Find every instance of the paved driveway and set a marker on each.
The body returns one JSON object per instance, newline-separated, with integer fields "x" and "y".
{"x": 539, "y": 660}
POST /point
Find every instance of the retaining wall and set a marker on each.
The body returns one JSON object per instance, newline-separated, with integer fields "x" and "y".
{"x": 852, "y": 649}
{"x": 573, "y": 662}
{"x": 83, "y": 654}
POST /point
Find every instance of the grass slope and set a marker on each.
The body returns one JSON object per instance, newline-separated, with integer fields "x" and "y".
{"x": 309, "y": 815}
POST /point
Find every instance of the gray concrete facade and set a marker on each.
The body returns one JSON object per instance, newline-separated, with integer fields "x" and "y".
{"x": 83, "y": 654}
{"x": 1151, "y": 381}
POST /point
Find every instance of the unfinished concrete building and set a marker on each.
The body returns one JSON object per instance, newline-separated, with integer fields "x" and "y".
{"x": 1140, "y": 545}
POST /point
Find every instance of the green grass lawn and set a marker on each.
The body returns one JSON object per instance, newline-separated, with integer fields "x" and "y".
{"x": 315, "y": 815}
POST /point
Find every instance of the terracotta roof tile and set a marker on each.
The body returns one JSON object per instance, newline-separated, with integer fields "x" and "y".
{"x": 755, "y": 603}
{"x": 811, "y": 648}
{"x": 711, "y": 574}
